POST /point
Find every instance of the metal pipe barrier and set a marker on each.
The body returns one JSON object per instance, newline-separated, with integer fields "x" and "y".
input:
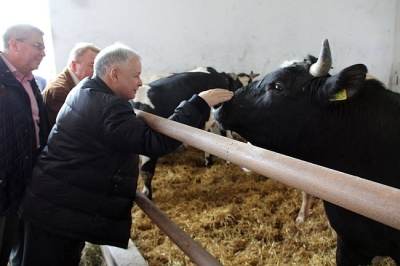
{"x": 191, "y": 248}
{"x": 373, "y": 200}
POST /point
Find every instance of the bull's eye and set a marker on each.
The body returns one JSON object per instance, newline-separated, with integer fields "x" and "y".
{"x": 276, "y": 86}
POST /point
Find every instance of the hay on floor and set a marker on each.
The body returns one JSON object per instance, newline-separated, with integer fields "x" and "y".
{"x": 240, "y": 218}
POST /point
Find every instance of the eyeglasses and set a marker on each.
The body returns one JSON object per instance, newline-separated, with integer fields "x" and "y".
{"x": 37, "y": 45}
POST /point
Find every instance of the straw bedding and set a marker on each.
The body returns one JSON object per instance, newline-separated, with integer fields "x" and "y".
{"x": 240, "y": 218}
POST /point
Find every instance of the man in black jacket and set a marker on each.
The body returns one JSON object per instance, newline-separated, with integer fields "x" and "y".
{"x": 84, "y": 183}
{"x": 23, "y": 130}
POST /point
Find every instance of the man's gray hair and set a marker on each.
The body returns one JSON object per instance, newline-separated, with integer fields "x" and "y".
{"x": 112, "y": 55}
{"x": 19, "y": 32}
{"x": 80, "y": 49}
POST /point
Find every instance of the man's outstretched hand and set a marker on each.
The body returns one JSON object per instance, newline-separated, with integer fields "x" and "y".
{"x": 216, "y": 96}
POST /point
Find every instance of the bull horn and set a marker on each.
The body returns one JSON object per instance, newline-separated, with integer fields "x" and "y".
{"x": 324, "y": 63}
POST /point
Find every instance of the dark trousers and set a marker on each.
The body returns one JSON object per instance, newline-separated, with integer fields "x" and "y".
{"x": 43, "y": 248}
{"x": 11, "y": 239}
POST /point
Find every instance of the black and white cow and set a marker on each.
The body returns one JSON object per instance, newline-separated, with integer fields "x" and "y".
{"x": 344, "y": 121}
{"x": 162, "y": 96}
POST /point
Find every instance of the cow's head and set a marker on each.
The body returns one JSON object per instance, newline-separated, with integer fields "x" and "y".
{"x": 290, "y": 99}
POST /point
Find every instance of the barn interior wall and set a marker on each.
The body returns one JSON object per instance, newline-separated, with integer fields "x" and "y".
{"x": 232, "y": 35}
{"x": 394, "y": 81}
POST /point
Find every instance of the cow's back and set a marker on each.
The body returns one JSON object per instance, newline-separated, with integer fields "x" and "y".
{"x": 166, "y": 93}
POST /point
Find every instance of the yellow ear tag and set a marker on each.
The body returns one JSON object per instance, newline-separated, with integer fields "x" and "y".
{"x": 339, "y": 96}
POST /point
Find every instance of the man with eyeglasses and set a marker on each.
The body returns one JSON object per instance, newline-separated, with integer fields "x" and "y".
{"x": 23, "y": 130}
{"x": 80, "y": 66}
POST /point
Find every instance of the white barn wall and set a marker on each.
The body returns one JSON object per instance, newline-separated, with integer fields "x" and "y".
{"x": 395, "y": 75}
{"x": 234, "y": 35}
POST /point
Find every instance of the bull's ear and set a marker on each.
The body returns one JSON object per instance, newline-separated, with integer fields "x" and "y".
{"x": 310, "y": 59}
{"x": 253, "y": 75}
{"x": 212, "y": 70}
{"x": 344, "y": 85}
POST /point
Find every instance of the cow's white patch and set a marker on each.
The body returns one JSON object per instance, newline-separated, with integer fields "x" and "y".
{"x": 212, "y": 125}
{"x": 200, "y": 69}
{"x": 290, "y": 62}
{"x": 369, "y": 76}
{"x": 143, "y": 159}
{"x": 245, "y": 80}
{"x": 142, "y": 97}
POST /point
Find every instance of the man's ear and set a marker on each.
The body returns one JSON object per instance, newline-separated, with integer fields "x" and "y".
{"x": 13, "y": 45}
{"x": 72, "y": 66}
{"x": 344, "y": 85}
{"x": 114, "y": 73}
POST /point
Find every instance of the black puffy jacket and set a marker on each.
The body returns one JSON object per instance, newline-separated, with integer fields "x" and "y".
{"x": 84, "y": 183}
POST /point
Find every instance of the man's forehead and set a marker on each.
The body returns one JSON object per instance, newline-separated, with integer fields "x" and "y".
{"x": 136, "y": 63}
{"x": 131, "y": 65}
{"x": 35, "y": 37}
{"x": 88, "y": 55}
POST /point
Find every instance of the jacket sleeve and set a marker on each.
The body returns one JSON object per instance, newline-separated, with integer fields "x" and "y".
{"x": 128, "y": 133}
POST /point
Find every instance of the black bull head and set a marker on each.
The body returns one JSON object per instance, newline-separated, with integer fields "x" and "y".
{"x": 288, "y": 100}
